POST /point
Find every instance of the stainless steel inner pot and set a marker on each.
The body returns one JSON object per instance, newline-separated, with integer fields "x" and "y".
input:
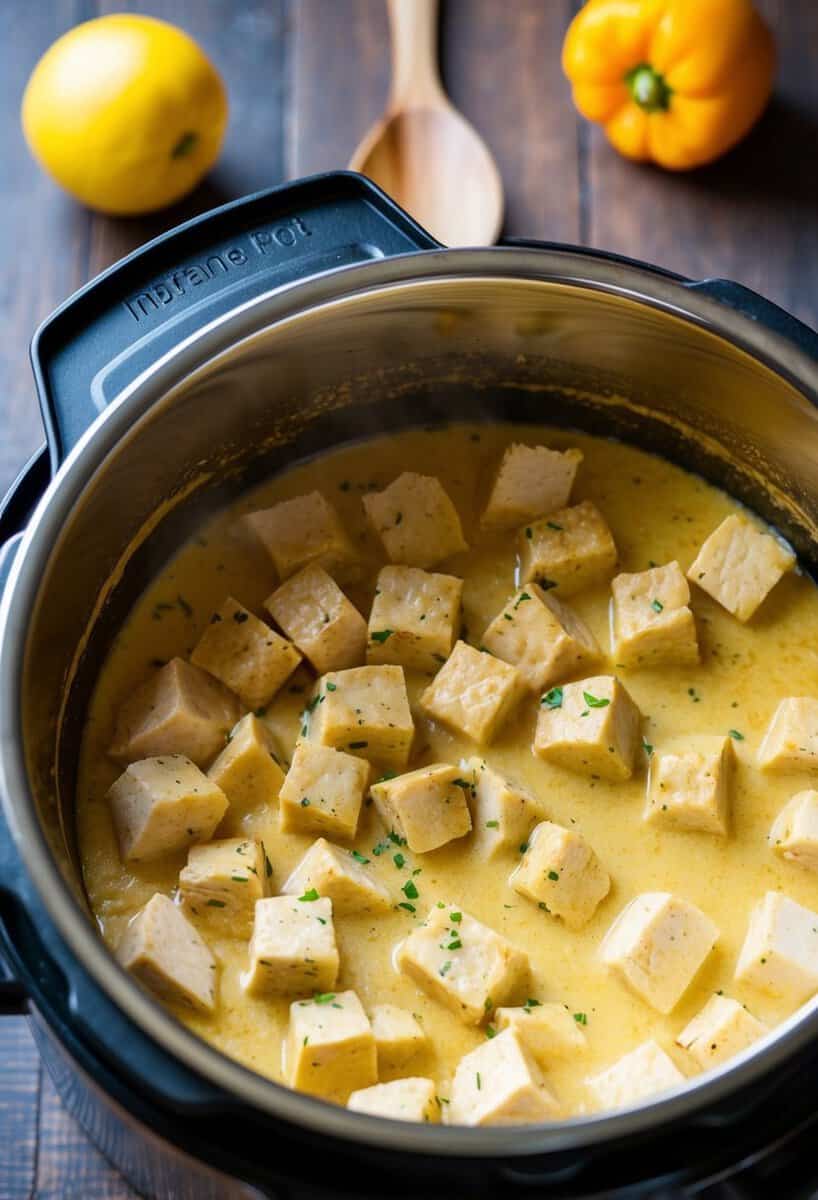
{"x": 551, "y": 336}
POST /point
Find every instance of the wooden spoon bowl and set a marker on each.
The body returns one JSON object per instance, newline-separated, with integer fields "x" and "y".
{"x": 423, "y": 152}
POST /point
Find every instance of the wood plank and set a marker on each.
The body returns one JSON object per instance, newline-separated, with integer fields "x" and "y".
{"x": 247, "y": 42}
{"x": 340, "y": 77}
{"x": 751, "y": 216}
{"x": 501, "y": 67}
{"x": 43, "y": 234}
{"x": 19, "y": 1099}
{"x": 68, "y": 1165}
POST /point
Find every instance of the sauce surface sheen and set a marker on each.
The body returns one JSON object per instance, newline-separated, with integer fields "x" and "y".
{"x": 657, "y": 513}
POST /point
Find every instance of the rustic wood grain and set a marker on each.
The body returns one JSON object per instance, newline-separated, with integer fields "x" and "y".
{"x": 67, "y": 1165}
{"x": 339, "y": 78}
{"x": 19, "y": 1103}
{"x": 501, "y": 67}
{"x": 306, "y": 78}
{"x": 43, "y": 235}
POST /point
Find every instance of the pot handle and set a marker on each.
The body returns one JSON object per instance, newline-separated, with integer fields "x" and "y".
{"x": 725, "y": 291}
{"x": 750, "y": 304}
{"x": 123, "y": 321}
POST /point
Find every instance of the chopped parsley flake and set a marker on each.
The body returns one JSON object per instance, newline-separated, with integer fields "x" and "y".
{"x": 523, "y": 596}
{"x": 657, "y": 606}
{"x": 398, "y": 860}
{"x": 309, "y": 895}
{"x": 456, "y": 917}
{"x": 455, "y": 945}
{"x": 595, "y": 701}
{"x": 647, "y": 747}
{"x": 736, "y": 735}
{"x": 381, "y": 635}
{"x": 491, "y": 1031}
{"x": 554, "y": 525}
{"x": 553, "y": 699}
{"x": 332, "y": 687}
{"x": 444, "y": 970}
{"x": 409, "y": 907}
{"x": 581, "y": 1018}
{"x": 553, "y": 875}
{"x": 492, "y": 824}
{"x": 324, "y": 997}
{"x": 409, "y": 890}
{"x": 356, "y": 854}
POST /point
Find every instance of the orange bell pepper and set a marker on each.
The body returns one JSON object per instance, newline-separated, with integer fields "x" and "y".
{"x": 675, "y": 82}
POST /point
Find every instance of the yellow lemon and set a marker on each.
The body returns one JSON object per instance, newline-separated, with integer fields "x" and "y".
{"x": 126, "y": 112}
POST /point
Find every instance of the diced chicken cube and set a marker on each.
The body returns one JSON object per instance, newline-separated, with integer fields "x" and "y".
{"x": 503, "y": 812}
{"x": 690, "y": 788}
{"x": 415, "y": 520}
{"x": 560, "y": 870}
{"x": 463, "y": 964}
{"x": 652, "y": 623}
{"x": 364, "y": 711}
{"x": 163, "y": 951}
{"x": 305, "y": 530}
{"x": 330, "y": 1046}
{"x": 591, "y": 727}
{"x": 473, "y": 693}
{"x": 529, "y": 482}
{"x": 791, "y": 741}
{"x": 325, "y": 626}
{"x": 427, "y": 807}
{"x": 162, "y": 805}
{"x": 571, "y": 549}
{"x": 401, "y": 1100}
{"x": 245, "y": 654}
{"x": 223, "y": 880}
{"x": 323, "y": 792}
{"x": 657, "y": 945}
{"x": 499, "y": 1083}
{"x": 644, "y": 1072}
{"x": 333, "y": 872}
{"x": 794, "y": 834}
{"x": 398, "y": 1036}
{"x": 179, "y": 710}
{"x": 548, "y": 1031}
{"x": 249, "y": 769}
{"x": 722, "y": 1028}
{"x": 292, "y": 949}
{"x": 780, "y": 951}
{"x": 544, "y": 639}
{"x": 415, "y": 618}
{"x": 738, "y": 565}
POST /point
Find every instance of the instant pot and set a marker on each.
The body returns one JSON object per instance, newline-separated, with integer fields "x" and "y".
{"x": 249, "y": 338}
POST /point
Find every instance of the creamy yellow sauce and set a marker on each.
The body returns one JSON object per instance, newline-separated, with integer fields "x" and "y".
{"x": 657, "y": 513}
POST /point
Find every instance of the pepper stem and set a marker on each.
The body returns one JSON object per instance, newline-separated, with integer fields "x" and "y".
{"x": 648, "y": 88}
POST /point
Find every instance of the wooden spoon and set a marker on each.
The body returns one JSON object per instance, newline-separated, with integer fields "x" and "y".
{"x": 423, "y": 152}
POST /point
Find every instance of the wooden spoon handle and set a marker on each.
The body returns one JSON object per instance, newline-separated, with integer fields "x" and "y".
{"x": 415, "y": 77}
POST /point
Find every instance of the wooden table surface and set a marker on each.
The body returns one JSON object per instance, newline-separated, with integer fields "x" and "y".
{"x": 306, "y": 78}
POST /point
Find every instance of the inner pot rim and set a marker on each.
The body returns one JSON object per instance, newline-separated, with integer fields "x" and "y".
{"x": 198, "y": 354}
